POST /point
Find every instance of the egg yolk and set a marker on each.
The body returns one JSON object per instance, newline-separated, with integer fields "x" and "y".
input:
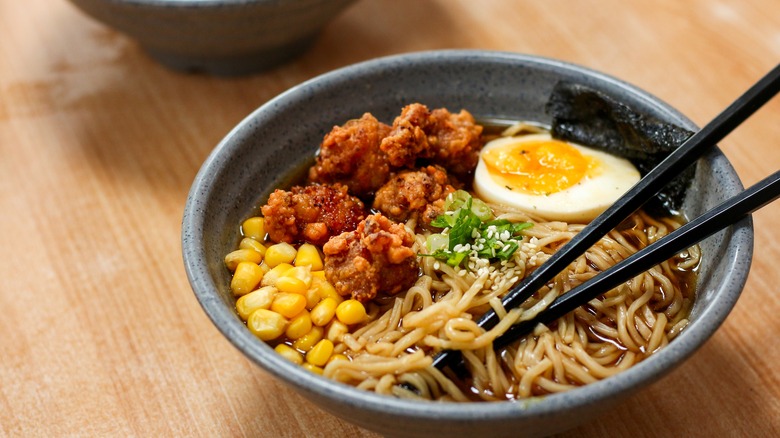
{"x": 538, "y": 167}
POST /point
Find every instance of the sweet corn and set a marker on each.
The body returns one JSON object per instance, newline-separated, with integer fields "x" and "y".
{"x": 258, "y": 299}
{"x": 289, "y": 353}
{"x": 320, "y": 353}
{"x": 351, "y": 312}
{"x": 279, "y": 253}
{"x": 249, "y": 243}
{"x": 313, "y": 368}
{"x": 254, "y": 228}
{"x": 318, "y": 274}
{"x": 242, "y": 255}
{"x": 325, "y": 289}
{"x": 265, "y": 268}
{"x": 288, "y": 304}
{"x": 302, "y": 273}
{"x": 298, "y": 326}
{"x": 324, "y": 311}
{"x": 336, "y": 330}
{"x": 266, "y": 324}
{"x": 309, "y": 255}
{"x": 337, "y": 357}
{"x": 291, "y": 285}
{"x": 307, "y": 341}
{"x": 246, "y": 277}
{"x": 273, "y": 274}
{"x": 312, "y": 298}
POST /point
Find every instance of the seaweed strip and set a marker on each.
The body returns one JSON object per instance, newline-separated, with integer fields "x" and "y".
{"x": 583, "y": 115}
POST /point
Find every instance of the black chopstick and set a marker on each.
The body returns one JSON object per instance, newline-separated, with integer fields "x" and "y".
{"x": 714, "y": 220}
{"x": 682, "y": 157}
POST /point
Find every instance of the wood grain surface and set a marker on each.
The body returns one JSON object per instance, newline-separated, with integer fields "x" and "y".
{"x": 100, "y": 334}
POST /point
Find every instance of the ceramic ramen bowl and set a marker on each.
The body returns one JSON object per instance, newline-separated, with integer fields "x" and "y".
{"x": 224, "y": 37}
{"x": 275, "y": 141}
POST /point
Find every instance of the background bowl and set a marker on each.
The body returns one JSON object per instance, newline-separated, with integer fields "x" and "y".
{"x": 224, "y": 37}
{"x": 278, "y": 137}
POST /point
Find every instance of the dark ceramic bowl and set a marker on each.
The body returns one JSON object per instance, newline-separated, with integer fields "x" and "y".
{"x": 223, "y": 37}
{"x": 274, "y": 141}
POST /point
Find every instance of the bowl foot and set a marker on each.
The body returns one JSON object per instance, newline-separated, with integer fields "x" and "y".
{"x": 231, "y": 65}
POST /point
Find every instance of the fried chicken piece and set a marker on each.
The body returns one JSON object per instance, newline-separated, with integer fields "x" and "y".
{"x": 350, "y": 155}
{"x": 407, "y": 139}
{"x": 458, "y": 141}
{"x": 415, "y": 194}
{"x": 449, "y": 140}
{"x": 376, "y": 257}
{"x": 313, "y": 213}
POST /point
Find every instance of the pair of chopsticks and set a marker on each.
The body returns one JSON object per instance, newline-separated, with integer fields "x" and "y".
{"x": 684, "y": 237}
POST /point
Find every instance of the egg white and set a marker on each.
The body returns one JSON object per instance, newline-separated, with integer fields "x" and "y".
{"x": 579, "y": 203}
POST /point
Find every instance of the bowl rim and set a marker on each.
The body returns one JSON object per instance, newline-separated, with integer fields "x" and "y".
{"x": 638, "y": 376}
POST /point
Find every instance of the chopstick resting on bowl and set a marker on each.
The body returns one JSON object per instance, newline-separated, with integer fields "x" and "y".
{"x": 727, "y": 213}
{"x": 677, "y": 161}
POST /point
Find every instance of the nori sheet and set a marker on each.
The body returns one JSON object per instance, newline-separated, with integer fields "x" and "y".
{"x": 583, "y": 115}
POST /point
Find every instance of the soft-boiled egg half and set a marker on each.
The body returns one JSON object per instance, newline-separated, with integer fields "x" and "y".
{"x": 550, "y": 178}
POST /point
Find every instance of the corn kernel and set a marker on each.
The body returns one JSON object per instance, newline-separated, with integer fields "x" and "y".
{"x": 247, "y": 276}
{"x": 265, "y": 268}
{"x": 324, "y": 311}
{"x": 299, "y": 326}
{"x": 312, "y": 298}
{"x": 289, "y": 353}
{"x": 288, "y": 304}
{"x": 302, "y": 273}
{"x": 249, "y": 243}
{"x": 313, "y": 368}
{"x": 309, "y": 255}
{"x": 351, "y": 312}
{"x": 307, "y": 341}
{"x": 336, "y": 331}
{"x": 242, "y": 255}
{"x": 273, "y": 274}
{"x": 318, "y": 274}
{"x": 279, "y": 253}
{"x": 254, "y": 228}
{"x": 337, "y": 357}
{"x": 325, "y": 289}
{"x": 258, "y": 299}
{"x": 266, "y": 325}
{"x": 320, "y": 353}
{"x": 291, "y": 285}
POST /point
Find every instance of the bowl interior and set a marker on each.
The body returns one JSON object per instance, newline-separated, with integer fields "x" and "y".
{"x": 282, "y": 136}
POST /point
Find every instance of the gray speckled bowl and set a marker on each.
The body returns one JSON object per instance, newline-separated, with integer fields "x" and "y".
{"x": 286, "y": 131}
{"x": 223, "y": 37}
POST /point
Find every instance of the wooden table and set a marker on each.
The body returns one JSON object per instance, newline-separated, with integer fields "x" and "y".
{"x": 101, "y": 334}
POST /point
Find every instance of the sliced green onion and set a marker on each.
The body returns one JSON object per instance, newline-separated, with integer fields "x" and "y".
{"x": 520, "y": 226}
{"x": 467, "y": 219}
{"x": 456, "y": 200}
{"x": 436, "y": 242}
{"x": 507, "y": 250}
{"x": 456, "y": 258}
{"x": 481, "y": 209}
